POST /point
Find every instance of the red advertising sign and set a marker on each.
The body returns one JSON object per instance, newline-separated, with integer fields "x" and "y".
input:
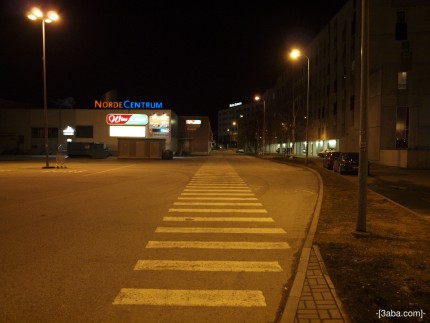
{"x": 127, "y": 119}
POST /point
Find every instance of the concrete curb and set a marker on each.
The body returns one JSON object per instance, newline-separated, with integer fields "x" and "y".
{"x": 295, "y": 293}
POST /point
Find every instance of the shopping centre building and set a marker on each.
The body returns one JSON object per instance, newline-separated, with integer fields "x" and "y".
{"x": 126, "y": 129}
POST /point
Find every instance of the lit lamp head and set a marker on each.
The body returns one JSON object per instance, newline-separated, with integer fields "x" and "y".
{"x": 257, "y": 98}
{"x": 295, "y": 54}
{"x": 36, "y": 13}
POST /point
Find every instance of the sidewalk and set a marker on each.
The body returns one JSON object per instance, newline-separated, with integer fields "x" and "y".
{"x": 313, "y": 297}
{"x": 318, "y": 300}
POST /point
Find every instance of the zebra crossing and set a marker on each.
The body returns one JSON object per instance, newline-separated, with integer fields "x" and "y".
{"x": 215, "y": 195}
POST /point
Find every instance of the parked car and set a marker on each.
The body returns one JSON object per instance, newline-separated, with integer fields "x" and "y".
{"x": 330, "y": 158}
{"x": 348, "y": 163}
{"x": 325, "y": 152}
{"x": 240, "y": 150}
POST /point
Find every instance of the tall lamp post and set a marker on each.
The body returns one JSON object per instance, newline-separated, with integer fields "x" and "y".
{"x": 50, "y": 16}
{"x": 295, "y": 54}
{"x": 235, "y": 124}
{"x": 258, "y": 98}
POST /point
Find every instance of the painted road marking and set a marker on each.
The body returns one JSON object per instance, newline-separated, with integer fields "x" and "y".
{"x": 199, "y": 265}
{"x": 209, "y": 184}
{"x": 219, "y": 230}
{"x": 222, "y": 183}
{"x": 218, "y": 203}
{"x": 220, "y": 210}
{"x": 218, "y": 194}
{"x": 215, "y": 190}
{"x": 219, "y": 198}
{"x": 108, "y": 170}
{"x": 170, "y": 297}
{"x": 212, "y": 187}
{"x": 218, "y": 245}
{"x": 215, "y": 219}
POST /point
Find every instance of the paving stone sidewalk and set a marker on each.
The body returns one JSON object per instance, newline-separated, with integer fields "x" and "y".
{"x": 318, "y": 301}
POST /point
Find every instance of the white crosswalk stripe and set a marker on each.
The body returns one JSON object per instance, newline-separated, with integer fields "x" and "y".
{"x": 214, "y": 219}
{"x": 214, "y": 190}
{"x": 245, "y": 266}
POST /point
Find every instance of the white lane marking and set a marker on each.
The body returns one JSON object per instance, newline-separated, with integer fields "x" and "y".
{"x": 219, "y": 194}
{"x": 219, "y": 198}
{"x": 200, "y": 265}
{"x": 216, "y": 183}
{"x": 214, "y": 219}
{"x": 238, "y": 245}
{"x": 217, "y": 186}
{"x": 206, "y": 183}
{"x": 219, "y": 203}
{"x": 216, "y": 190}
{"x": 219, "y": 210}
{"x": 108, "y": 170}
{"x": 170, "y": 297}
{"x": 220, "y": 230}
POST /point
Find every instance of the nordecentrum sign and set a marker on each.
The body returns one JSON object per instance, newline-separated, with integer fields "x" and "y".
{"x": 127, "y": 119}
{"x": 127, "y": 104}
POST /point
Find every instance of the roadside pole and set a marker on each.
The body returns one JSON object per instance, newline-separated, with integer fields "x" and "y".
{"x": 364, "y": 90}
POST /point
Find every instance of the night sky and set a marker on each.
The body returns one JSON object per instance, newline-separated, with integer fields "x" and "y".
{"x": 194, "y": 58}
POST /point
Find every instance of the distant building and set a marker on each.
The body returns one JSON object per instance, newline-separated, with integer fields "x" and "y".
{"x": 239, "y": 124}
{"x": 195, "y": 136}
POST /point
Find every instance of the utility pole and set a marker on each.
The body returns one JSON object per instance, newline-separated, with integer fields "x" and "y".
{"x": 363, "y": 144}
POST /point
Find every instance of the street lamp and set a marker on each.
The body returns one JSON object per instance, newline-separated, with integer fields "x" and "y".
{"x": 258, "y": 98}
{"x": 235, "y": 124}
{"x": 295, "y": 54}
{"x": 50, "y": 16}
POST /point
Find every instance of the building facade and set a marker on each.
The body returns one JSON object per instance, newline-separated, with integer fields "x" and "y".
{"x": 241, "y": 125}
{"x": 398, "y": 105}
{"x": 134, "y": 132}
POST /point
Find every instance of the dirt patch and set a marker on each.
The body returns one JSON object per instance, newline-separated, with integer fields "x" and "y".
{"x": 388, "y": 270}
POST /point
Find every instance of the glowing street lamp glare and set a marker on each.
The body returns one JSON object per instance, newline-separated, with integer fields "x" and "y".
{"x": 52, "y": 15}
{"x": 36, "y": 13}
{"x": 295, "y": 53}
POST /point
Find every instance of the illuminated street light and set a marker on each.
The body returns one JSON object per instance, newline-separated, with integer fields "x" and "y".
{"x": 258, "y": 98}
{"x": 296, "y": 54}
{"x": 50, "y": 16}
{"x": 236, "y": 125}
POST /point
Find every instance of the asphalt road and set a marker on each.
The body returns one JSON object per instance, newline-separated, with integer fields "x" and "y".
{"x": 201, "y": 239}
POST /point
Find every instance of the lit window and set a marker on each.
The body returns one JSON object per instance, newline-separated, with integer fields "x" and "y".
{"x": 402, "y": 80}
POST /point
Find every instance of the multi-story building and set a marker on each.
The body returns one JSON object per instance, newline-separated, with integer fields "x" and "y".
{"x": 240, "y": 125}
{"x": 398, "y": 105}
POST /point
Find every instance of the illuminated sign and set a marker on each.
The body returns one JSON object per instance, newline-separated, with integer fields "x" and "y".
{"x": 129, "y": 131}
{"x": 159, "y": 124}
{"x": 127, "y": 119}
{"x": 235, "y": 104}
{"x": 127, "y": 104}
{"x": 193, "y": 121}
{"x": 68, "y": 131}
